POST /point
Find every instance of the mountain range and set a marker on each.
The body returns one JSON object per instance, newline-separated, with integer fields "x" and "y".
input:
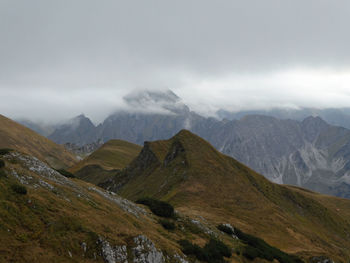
{"x": 309, "y": 153}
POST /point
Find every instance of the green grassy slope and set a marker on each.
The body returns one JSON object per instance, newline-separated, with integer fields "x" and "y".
{"x": 106, "y": 161}
{"x": 18, "y": 137}
{"x": 114, "y": 154}
{"x": 200, "y": 181}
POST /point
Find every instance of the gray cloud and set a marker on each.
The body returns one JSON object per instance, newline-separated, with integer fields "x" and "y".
{"x": 61, "y": 58}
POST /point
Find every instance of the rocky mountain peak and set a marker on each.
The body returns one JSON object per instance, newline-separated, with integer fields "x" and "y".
{"x": 156, "y": 101}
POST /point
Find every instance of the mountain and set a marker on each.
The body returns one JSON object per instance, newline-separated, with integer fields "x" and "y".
{"x": 334, "y": 116}
{"x": 15, "y": 136}
{"x": 311, "y": 153}
{"x": 155, "y": 115}
{"x": 106, "y": 161}
{"x": 47, "y": 217}
{"x": 79, "y": 130}
{"x": 200, "y": 181}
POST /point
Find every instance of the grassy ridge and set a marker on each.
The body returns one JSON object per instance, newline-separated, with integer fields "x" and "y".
{"x": 114, "y": 154}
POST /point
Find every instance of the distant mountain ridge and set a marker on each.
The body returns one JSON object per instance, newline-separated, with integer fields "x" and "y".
{"x": 309, "y": 153}
{"x": 333, "y": 116}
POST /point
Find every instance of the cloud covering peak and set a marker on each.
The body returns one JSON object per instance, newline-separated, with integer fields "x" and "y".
{"x": 61, "y": 58}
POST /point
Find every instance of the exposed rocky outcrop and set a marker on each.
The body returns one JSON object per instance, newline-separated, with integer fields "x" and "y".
{"x": 142, "y": 250}
{"x": 321, "y": 259}
{"x": 145, "y": 251}
{"x": 83, "y": 150}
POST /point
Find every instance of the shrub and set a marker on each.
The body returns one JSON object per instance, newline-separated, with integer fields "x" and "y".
{"x": 167, "y": 224}
{"x": 2, "y": 163}
{"x": 192, "y": 249}
{"x": 217, "y": 249}
{"x": 225, "y": 229}
{"x": 19, "y": 189}
{"x": 159, "y": 208}
{"x": 65, "y": 173}
{"x": 213, "y": 251}
{"x": 258, "y": 248}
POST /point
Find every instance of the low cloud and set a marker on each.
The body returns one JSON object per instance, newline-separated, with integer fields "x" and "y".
{"x": 59, "y": 59}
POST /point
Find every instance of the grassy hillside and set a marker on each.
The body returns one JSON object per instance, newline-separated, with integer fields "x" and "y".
{"x": 46, "y": 217}
{"x": 106, "y": 161}
{"x": 95, "y": 174}
{"x": 189, "y": 173}
{"x": 18, "y": 137}
{"x": 114, "y": 154}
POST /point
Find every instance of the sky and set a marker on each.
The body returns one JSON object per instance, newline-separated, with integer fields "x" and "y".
{"x": 62, "y": 58}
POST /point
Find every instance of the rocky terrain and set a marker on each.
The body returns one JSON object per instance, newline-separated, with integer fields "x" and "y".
{"x": 311, "y": 153}
{"x": 82, "y": 151}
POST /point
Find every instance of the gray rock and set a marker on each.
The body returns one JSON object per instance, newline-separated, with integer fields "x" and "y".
{"x": 145, "y": 251}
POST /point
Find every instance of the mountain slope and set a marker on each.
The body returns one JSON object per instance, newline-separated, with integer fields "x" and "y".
{"x": 311, "y": 153}
{"x": 18, "y": 137}
{"x": 46, "y": 217}
{"x": 106, "y": 161}
{"x": 190, "y": 173}
{"x": 114, "y": 154}
{"x": 65, "y": 220}
{"x": 79, "y": 130}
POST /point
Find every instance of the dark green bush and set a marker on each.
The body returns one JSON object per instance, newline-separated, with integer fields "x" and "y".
{"x": 217, "y": 249}
{"x": 225, "y": 229}
{"x": 213, "y": 251}
{"x": 2, "y": 163}
{"x": 258, "y": 248}
{"x": 159, "y": 208}
{"x": 65, "y": 173}
{"x": 167, "y": 224}
{"x": 192, "y": 249}
{"x": 19, "y": 189}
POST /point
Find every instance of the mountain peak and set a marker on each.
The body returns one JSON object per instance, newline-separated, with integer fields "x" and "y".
{"x": 157, "y": 101}
{"x": 314, "y": 119}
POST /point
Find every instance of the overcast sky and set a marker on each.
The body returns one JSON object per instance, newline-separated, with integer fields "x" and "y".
{"x": 62, "y": 58}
